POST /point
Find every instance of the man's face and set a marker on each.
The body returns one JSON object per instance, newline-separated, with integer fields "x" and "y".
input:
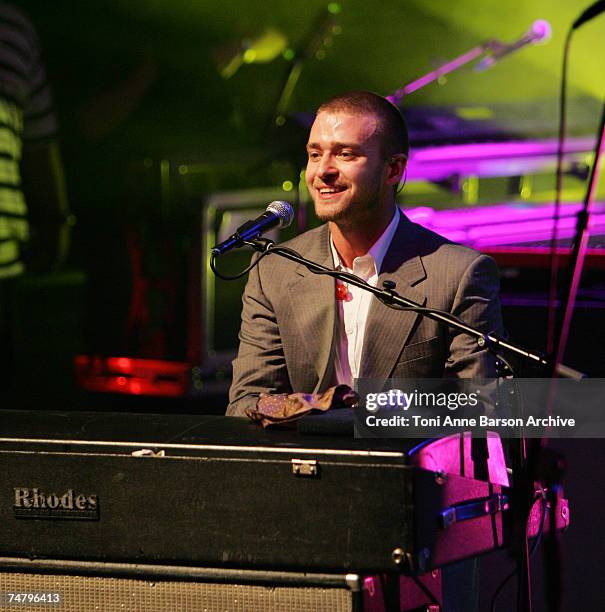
{"x": 347, "y": 174}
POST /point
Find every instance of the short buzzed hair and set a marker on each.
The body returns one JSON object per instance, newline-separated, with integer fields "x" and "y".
{"x": 391, "y": 124}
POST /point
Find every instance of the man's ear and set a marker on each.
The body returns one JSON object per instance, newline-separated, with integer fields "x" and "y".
{"x": 396, "y": 168}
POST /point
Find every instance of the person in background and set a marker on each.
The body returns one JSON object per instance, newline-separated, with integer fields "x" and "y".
{"x": 34, "y": 214}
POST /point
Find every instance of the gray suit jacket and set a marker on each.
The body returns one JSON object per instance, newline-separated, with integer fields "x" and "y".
{"x": 289, "y": 317}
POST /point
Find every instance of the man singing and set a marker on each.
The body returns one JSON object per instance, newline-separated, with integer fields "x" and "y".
{"x": 304, "y": 333}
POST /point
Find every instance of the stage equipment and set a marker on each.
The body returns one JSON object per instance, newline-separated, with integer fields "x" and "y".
{"x": 79, "y": 586}
{"x": 538, "y": 34}
{"x": 590, "y": 13}
{"x": 217, "y": 491}
{"x": 319, "y": 37}
{"x": 174, "y": 510}
{"x": 493, "y": 50}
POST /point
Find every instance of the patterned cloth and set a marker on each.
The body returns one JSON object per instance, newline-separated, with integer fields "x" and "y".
{"x": 281, "y": 408}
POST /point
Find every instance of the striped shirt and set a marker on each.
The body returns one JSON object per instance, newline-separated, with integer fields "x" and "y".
{"x": 26, "y": 115}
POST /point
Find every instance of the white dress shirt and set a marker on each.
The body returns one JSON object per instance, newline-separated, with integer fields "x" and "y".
{"x": 353, "y": 311}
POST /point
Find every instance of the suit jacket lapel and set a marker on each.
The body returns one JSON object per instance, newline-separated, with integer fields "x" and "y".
{"x": 313, "y": 303}
{"x": 387, "y": 329}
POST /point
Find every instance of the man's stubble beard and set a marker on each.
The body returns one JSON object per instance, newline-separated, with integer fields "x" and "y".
{"x": 357, "y": 214}
{"x": 346, "y": 219}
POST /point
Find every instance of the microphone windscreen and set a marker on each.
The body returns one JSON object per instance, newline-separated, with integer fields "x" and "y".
{"x": 283, "y": 210}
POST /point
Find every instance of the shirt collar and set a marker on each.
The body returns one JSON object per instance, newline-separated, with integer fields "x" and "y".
{"x": 378, "y": 250}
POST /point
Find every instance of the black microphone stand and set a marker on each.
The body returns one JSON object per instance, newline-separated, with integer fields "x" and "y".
{"x": 549, "y": 465}
{"x": 580, "y": 245}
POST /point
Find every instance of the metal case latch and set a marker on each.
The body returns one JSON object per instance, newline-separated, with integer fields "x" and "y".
{"x": 305, "y": 467}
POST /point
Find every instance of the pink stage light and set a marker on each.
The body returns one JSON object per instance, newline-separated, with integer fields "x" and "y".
{"x": 505, "y": 223}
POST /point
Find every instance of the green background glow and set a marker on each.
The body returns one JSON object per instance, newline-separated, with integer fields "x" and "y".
{"x": 382, "y": 46}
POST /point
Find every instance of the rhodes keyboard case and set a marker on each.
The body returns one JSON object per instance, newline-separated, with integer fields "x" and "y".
{"x": 211, "y": 491}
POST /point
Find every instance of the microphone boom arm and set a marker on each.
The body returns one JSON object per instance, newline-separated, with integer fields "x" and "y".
{"x": 391, "y": 298}
{"x": 492, "y": 50}
{"x": 476, "y": 52}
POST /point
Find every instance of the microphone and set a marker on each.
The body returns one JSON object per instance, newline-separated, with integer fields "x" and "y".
{"x": 539, "y": 33}
{"x": 592, "y": 11}
{"x": 278, "y": 214}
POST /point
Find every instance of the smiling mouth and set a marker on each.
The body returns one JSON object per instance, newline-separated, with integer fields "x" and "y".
{"x": 327, "y": 192}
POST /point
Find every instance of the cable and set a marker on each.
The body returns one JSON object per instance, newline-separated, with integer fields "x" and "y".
{"x": 539, "y": 495}
{"x": 237, "y": 276}
{"x": 554, "y": 256}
